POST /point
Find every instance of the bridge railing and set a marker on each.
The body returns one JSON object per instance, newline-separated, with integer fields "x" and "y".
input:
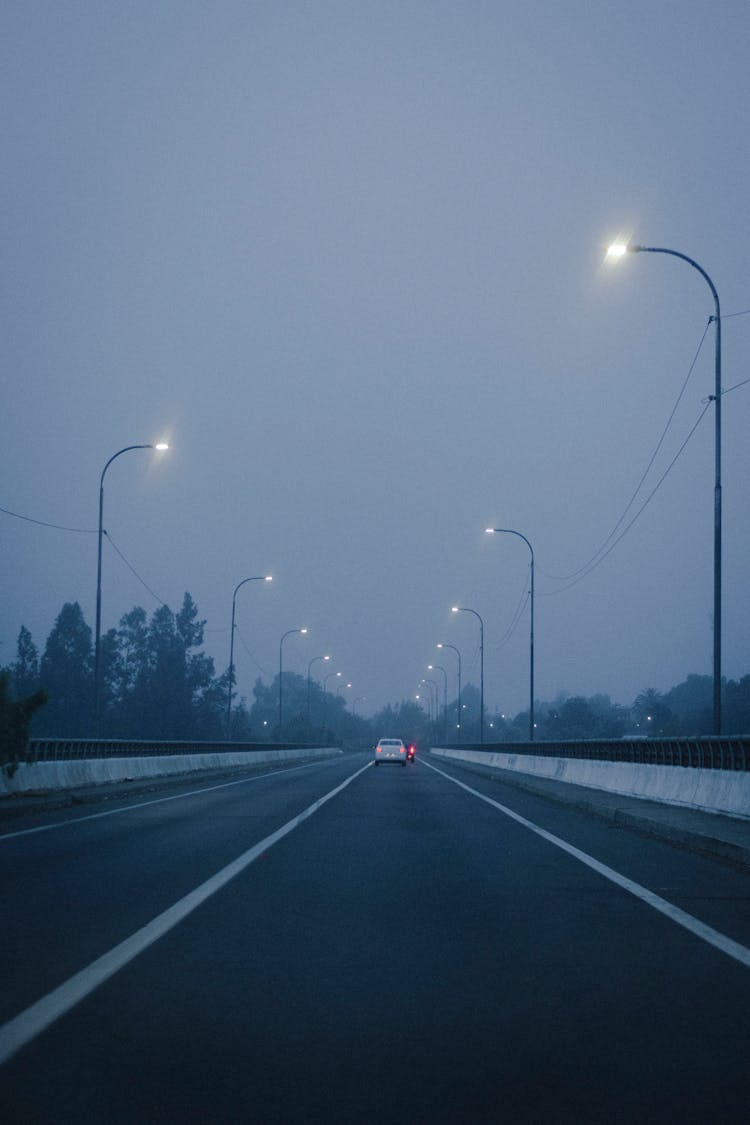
{"x": 696, "y": 753}
{"x": 67, "y": 749}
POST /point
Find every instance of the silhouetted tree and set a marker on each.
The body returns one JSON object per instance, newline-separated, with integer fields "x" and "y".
{"x": 15, "y": 716}
{"x": 652, "y": 714}
{"x": 66, "y": 674}
{"x": 736, "y": 714}
{"x": 24, "y": 673}
{"x": 691, "y": 703}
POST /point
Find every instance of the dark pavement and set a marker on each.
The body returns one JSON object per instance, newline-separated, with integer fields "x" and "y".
{"x": 407, "y": 953}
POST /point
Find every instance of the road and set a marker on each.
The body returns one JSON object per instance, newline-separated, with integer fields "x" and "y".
{"x": 340, "y": 943}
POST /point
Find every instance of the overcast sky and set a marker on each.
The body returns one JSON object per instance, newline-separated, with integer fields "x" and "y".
{"x": 348, "y": 259}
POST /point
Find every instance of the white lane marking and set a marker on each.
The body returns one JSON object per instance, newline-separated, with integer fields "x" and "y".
{"x": 25, "y": 1027}
{"x": 157, "y": 801}
{"x": 706, "y": 933}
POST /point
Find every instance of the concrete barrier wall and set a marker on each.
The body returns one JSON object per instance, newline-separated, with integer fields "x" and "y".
{"x": 717, "y": 791}
{"x": 42, "y": 777}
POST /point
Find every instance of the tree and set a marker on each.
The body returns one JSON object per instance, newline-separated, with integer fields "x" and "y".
{"x": 15, "y": 716}
{"x": 737, "y": 706}
{"x": 127, "y": 677}
{"x": 174, "y": 684}
{"x": 691, "y": 702}
{"x": 405, "y": 720}
{"x": 652, "y": 714}
{"x": 24, "y": 679}
{"x": 66, "y": 673}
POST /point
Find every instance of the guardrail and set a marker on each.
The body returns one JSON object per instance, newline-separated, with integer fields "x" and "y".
{"x": 73, "y": 749}
{"x": 695, "y": 753}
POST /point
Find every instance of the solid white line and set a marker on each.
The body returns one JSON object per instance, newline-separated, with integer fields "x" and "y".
{"x": 156, "y": 801}
{"x": 25, "y": 1027}
{"x": 706, "y": 933}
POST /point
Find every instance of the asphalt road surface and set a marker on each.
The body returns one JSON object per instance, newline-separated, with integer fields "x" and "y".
{"x": 339, "y": 943}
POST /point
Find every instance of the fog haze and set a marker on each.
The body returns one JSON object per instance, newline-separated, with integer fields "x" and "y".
{"x": 348, "y": 260}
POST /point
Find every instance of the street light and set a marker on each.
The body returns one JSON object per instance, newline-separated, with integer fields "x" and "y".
{"x": 618, "y": 250}
{"x": 464, "y": 609}
{"x": 439, "y": 668}
{"x": 458, "y": 702}
{"x": 309, "y": 666}
{"x": 510, "y": 531}
{"x": 281, "y": 678}
{"x": 161, "y": 445}
{"x": 258, "y": 578}
{"x": 434, "y": 699}
{"x": 326, "y": 678}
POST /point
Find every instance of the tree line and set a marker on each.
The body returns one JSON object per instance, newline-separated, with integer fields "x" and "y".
{"x": 157, "y": 683}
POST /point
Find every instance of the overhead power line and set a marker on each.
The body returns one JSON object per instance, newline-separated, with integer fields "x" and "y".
{"x": 133, "y": 571}
{"x": 640, "y": 511}
{"x": 603, "y": 550}
{"x": 244, "y": 644}
{"x": 56, "y": 526}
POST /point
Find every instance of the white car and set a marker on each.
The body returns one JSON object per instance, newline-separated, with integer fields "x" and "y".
{"x": 390, "y": 750}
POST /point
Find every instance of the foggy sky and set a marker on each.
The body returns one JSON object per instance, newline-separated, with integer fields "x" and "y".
{"x": 348, "y": 259}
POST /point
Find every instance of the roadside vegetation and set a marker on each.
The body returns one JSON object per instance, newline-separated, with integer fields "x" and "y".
{"x": 157, "y": 683}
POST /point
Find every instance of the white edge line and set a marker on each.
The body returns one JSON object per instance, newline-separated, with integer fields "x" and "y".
{"x": 159, "y": 800}
{"x": 31, "y": 1022}
{"x": 700, "y": 929}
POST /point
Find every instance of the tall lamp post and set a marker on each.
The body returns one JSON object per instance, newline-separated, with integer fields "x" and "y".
{"x": 617, "y": 250}
{"x": 458, "y": 708}
{"x": 162, "y": 445}
{"x": 257, "y": 578}
{"x": 464, "y": 609}
{"x": 439, "y": 668}
{"x": 510, "y": 531}
{"x": 309, "y": 667}
{"x": 433, "y": 684}
{"x": 326, "y": 678}
{"x": 281, "y": 675}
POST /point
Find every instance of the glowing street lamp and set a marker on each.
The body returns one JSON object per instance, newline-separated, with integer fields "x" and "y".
{"x": 257, "y": 578}
{"x": 434, "y": 700}
{"x": 458, "y": 701}
{"x": 439, "y": 668}
{"x": 160, "y": 446}
{"x": 618, "y": 250}
{"x": 464, "y": 609}
{"x": 309, "y": 667}
{"x": 281, "y": 677}
{"x": 510, "y": 531}
{"x": 326, "y": 678}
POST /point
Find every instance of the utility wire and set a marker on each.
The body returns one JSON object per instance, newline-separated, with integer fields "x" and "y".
{"x": 132, "y": 569}
{"x": 250, "y": 654}
{"x": 56, "y": 526}
{"x": 517, "y": 614}
{"x": 601, "y": 550}
{"x": 734, "y": 388}
{"x": 644, "y": 505}
{"x": 525, "y": 598}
